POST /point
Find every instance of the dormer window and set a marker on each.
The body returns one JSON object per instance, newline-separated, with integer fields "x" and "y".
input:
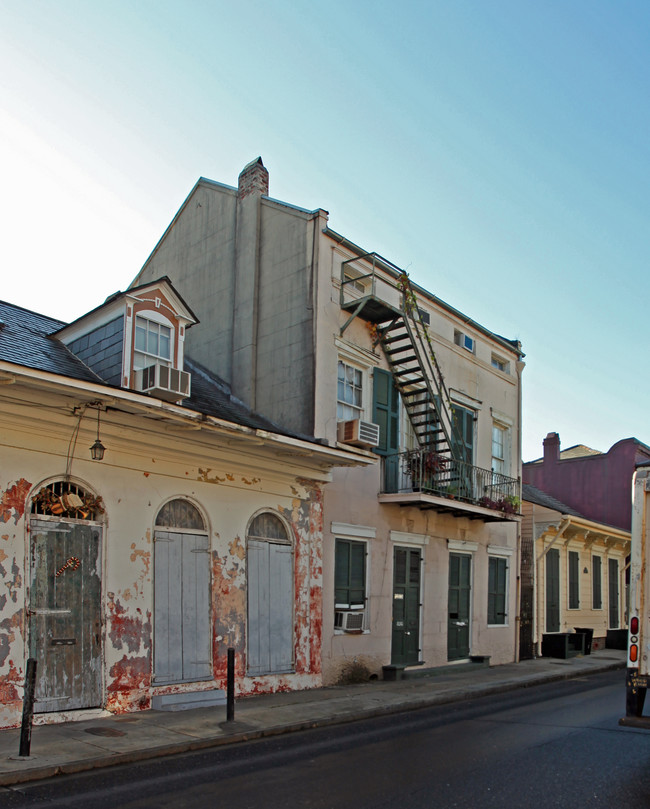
{"x": 153, "y": 343}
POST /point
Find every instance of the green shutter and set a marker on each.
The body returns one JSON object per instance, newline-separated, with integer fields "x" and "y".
{"x": 574, "y": 580}
{"x": 357, "y": 573}
{"x": 341, "y": 572}
{"x": 497, "y": 584}
{"x": 350, "y": 573}
{"x": 597, "y": 591}
{"x": 386, "y": 411}
{"x": 463, "y": 435}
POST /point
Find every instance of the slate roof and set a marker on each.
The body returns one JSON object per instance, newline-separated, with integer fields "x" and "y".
{"x": 534, "y": 495}
{"x": 26, "y": 338}
{"x": 212, "y": 396}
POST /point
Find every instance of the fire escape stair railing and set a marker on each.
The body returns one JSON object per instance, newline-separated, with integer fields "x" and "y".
{"x": 407, "y": 347}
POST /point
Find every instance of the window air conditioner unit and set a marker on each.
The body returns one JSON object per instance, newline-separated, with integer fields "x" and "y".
{"x": 163, "y": 382}
{"x": 358, "y": 433}
{"x": 349, "y": 620}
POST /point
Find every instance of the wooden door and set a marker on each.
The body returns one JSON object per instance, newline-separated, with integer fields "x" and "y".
{"x": 459, "y": 605}
{"x": 270, "y": 607}
{"x": 181, "y": 607}
{"x": 65, "y": 615}
{"x": 405, "y": 646}
{"x": 553, "y": 590}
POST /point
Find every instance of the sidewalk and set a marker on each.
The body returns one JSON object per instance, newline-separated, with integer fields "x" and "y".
{"x": 107, "y": 740}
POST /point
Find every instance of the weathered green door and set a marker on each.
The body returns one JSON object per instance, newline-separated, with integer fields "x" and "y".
{"x": 553, "y": 590}
{"x": 459, "y": 600}
{"x": 386, "y": 415}
{"x": 405, "y": 648}
{"x": 613, "y": 594}
{"x": 65, "y": 615}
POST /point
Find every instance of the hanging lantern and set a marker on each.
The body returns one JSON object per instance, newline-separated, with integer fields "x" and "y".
{"x": 98, "y": 449}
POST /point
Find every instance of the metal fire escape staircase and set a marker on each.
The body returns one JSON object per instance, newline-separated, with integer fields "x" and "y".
{"x": 406, "y": 343}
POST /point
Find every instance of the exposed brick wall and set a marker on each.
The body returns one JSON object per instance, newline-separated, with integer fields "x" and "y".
{"x": 254, "y": 178}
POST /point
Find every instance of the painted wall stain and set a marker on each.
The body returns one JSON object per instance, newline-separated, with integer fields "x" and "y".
{"x": 229, "y": 608}
{"x": 12, "y": 502}
{"x": 9, "y": 629}
{"x": 13, "y": 582}
{"x": 251, "y": 481}
{"x": 9, "y": 684}
{"x": 204, "y": 476}
{"x": 144, "y": 556}
{"x": 130, "y": 674}
{"x": 132, "y": 631}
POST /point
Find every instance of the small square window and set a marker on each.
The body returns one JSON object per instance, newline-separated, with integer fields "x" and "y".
{"x": 464, "y": 341}
{"x": 500, "y": 364}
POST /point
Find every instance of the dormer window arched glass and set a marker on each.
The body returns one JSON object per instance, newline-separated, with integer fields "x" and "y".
{"x": 153, "y": 343}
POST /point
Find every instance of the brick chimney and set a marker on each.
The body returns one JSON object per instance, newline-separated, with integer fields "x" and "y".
{"x": 552, "y": 448}
{"x": 254, "y": 178}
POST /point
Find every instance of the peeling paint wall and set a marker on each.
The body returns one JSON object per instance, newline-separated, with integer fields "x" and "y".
{"x": 134, "y": 485}
{"x": 13, "y": 497}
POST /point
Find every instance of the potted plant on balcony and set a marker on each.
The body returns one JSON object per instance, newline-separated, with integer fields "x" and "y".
{"x": 424, "y": 466}
{"x": 508, "y": 505}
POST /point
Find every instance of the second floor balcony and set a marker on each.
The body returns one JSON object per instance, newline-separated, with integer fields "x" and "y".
{"x": 430, "y": 480}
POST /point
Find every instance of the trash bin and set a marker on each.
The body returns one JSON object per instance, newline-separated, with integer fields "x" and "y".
{"x": 589, "y": 636}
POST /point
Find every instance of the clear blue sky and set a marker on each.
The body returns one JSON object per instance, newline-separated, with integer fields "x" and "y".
{"x": 499, "y": 151}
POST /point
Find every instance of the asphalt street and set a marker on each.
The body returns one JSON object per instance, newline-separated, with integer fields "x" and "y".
{"x": 555, "y": 745}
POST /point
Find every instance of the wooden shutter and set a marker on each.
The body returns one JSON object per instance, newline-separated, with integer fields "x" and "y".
{"x": 497, "y": 583}
{"x": 463, "y": 436}
{"x": 168, "y": 643}
{"x": 574, "y": 580}
{"x": 597, "y": 577}
{"x": 350, "y": 574}
{"x": 386, "y": 411}
{"x": 613, "y": 594}
{"x": 270, "y": 607}
{"x": 553, "y": 590}
{"x": 182, "y": 607}
{"x": 196, "y": 607}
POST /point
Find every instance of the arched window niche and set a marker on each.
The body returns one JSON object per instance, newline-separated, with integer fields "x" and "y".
{"x": 180, "y": 515}
{"x": 67, "y": 500}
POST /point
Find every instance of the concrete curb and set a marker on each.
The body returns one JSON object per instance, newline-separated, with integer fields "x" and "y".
{"x": 250, "y": 734}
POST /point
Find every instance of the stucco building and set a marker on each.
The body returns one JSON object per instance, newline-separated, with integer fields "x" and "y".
{"x": 597, "y": 484}
{"x": 325, "y": 338}
{"x": 576, "y": 539}
{"x": 573, "y": 573}
{"x": 148, "y": 519}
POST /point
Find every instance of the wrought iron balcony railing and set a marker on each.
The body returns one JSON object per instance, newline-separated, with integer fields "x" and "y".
{"x": 420, "y": 470}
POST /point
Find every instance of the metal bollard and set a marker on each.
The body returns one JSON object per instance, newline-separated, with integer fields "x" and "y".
{"x": 28, "y": 709}
{"x": 230, "y": 692}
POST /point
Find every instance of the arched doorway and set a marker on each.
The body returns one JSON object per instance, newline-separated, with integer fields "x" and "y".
{"x": 65, "y": 597}
{"x": 270, "y": 596}
{"x": 181, "y": 595}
